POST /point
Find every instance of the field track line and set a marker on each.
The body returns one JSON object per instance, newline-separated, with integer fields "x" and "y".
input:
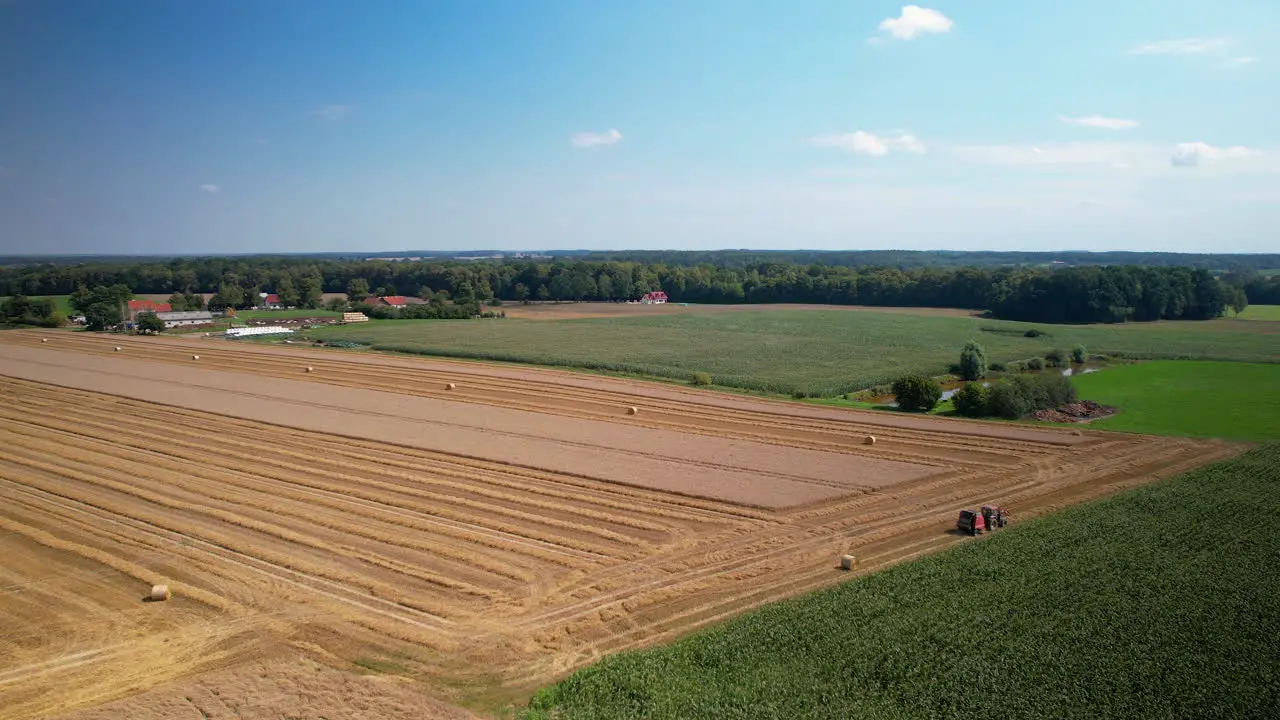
{"x": 337, "y": 591}
{"x": 333, "y": 496}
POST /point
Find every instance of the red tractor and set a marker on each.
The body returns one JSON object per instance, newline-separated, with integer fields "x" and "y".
{"x": 987, "y": 519}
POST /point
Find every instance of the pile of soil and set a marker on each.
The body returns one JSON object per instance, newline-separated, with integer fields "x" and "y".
{"x": 1082, "y": 411}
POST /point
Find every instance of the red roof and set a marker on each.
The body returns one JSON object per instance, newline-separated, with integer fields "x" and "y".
{"x": 272, "y": 299}
{"x": 396, "y": 300}
{"x": 149, "y": 306}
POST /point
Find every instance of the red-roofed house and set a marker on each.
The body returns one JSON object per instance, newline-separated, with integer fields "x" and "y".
{"x": 141, "y": 306}
{"x": 396, "y": 301}
{"x": 271, "y": 301}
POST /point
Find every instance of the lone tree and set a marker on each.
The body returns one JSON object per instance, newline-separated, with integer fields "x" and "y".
{"x": 973, "y": 361}
{"x": 971, "y": 401}
{"x": 149, "y": 322}
{"x": 1078, "y": 354}
{"x": 917, "y": 393}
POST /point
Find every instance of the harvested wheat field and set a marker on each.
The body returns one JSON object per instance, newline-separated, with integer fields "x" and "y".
{"x": 470, "y": 544}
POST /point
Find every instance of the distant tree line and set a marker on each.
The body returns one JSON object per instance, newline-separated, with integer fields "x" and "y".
{"x": 901, "y": 259}
{"x": 904, "y": 259}
{"x": 1074, "y": 294}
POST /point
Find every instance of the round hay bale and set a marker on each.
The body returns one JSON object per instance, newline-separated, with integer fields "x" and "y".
{"x": 869, "y": 440}
{"x": 450, "y": 386}
{"x": 847, "y": 562}
{"x": 159, "y": 593}
{"x": 44, "y": 339}
{"x": 117, "y": 348}
{"x": 632, "y": 410}
{"x": 310, "y": 369}
{"x": 195, "y": 357}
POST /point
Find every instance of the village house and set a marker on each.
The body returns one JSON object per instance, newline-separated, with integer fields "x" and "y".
{"x": 269, "y": 301}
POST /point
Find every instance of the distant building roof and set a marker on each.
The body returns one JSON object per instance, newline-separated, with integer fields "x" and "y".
{"x": 272, "y": 299}
{"x": 188, "y": 315}
{"x": 149, "y": 306}
{"x": 399, "y": 300}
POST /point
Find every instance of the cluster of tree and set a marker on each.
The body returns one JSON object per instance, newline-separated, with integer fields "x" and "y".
{"x": 1114, "y": 294}
{"x": 1258, "y": 289}
{"x": 22, "y": 310}
{"x": 184, "y": 301}
{"x": 1015, "y": 396}
{"x": 149, "y": 323}
{"x": 917, "y": 393}
{"x": 1080, "y": 295}
{"x": 104, "y": 306}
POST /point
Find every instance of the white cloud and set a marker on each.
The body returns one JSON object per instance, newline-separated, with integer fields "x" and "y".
{"x": 864, "y": 143}
{"x": 210, "y": 188}
{"x": 915, "y": 21}
{"x": 1237, "y": 62}
{"x": 1183, "y": 46}
{"x": 335, "y": 113}
{"x": 1103, "y": 123}
{"x": 1189, "y": 155}
{"x": 591, "y": 139}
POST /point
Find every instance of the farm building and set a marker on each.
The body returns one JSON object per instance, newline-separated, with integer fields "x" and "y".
{"x": 181, "y": 319}
{"x": 657, "y": 297}
{"x": 141, "y": 306}
{"x": 269, "y": 301}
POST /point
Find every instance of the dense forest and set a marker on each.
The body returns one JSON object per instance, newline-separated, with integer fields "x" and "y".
{"x": 1070, "y": 294}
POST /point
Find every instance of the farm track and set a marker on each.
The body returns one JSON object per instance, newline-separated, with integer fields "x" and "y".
{"x": 280, "y": 536}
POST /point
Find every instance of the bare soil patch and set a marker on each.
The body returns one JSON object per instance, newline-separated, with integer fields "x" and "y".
{"x": 1082, "y": 411}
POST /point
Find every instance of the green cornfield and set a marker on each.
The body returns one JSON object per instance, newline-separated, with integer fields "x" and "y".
{"x": 820, "y": 353}
{"x": 1161, "y": 602}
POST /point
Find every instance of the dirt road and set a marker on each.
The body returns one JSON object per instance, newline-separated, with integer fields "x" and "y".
{"x": 361, "y": 513}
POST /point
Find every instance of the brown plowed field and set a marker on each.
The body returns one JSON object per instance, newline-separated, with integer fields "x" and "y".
{"x": 484, "y": 540}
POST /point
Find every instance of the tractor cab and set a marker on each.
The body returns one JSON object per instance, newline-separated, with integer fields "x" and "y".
{"x": 995, "y": 516}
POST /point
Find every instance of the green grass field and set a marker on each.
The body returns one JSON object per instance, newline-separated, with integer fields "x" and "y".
{"x": 1261, "y": 312}
{"x": 1160, "y": 602}
{"x": 822, "y": 351}
{"x": 1240, "y": 401}
{"x": 63, "y": 302}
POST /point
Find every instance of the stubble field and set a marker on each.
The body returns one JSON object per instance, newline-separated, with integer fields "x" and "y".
{"x": 482, "y": 540}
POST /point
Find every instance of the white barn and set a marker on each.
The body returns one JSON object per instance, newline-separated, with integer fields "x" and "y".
{"x": 190, "y": 317}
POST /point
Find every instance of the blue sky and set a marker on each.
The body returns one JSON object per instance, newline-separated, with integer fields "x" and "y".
{"x": 162, "y": 126}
